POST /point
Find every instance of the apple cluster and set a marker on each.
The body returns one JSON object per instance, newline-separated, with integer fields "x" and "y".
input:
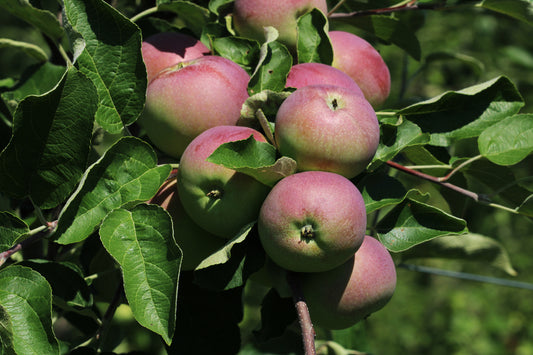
{"x": 312, "y": 222}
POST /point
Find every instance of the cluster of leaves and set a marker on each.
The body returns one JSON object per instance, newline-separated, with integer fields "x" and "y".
{"x": 80, "y": 200}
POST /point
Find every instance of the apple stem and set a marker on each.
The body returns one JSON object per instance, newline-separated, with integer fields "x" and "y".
{"x": 304, "y": 318}
{"x": 214, "y": 194}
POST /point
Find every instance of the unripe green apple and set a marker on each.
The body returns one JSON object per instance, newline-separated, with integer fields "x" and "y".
{"x": 363, "y": 63}
{"x": 218, "y": 199}
{"x": 305, "y": 74}
{"x": 165, "y": 49}
{"x": 195, "y": 243}
{"x": 251, "y": 16}
{"x": 327, "y": 127}
{"x": 312, "y": 221}
{"x": 341, "y": 297}
{"x": 190, "y": 97}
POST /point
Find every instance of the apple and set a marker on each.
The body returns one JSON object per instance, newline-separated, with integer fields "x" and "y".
{"x": 251, "y": 16}
{"x": 305, "y": 74}
{"x": 190, "y": 97}
{"x": 195, "y": 243}
{"x": 165, "y": 49}
{"x": 219, "y": 199}
{"x": 327, "y": 127}
{"x": 341, "y": 297}
{"x": 363, "y": 63}
{"x": 312, "y": 221}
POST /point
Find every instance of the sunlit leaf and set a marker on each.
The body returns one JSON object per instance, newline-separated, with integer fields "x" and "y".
{"x": 142, "y": 242}
{"x": 126, "y": 174}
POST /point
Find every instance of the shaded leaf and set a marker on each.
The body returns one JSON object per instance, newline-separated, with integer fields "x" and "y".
{"x": 395, "y": 138}
{"x": 469, "y": 247}
{"x": 508, "y": 141}
{"x": 142, "y": 242}
{"x": 36, "y": 80}
{"x": 12, "y": 230}
{"x": 313, "y": 44}
{"x": 126, "y": 174}
{"x": 69, "y": 288}
{"x": 26, "y": 298}
{"x": 112, "y": 59}
{"x": 411, "y": 223}
{"x": 194, "y": 16}
{"x": 6, "y": 333}
{"x": 519, "y": 9}
{"x": 466, "y": 113}
{"x": 230, "y": 266}
{"x": 44, "y": 20}
{"x": 50, "y": 145}
{"x": 30, "y": 49}
{"x": 380, "y": 190}
{"x": 277, "y": 313}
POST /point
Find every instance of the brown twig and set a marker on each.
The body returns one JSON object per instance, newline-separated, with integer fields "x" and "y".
{"x": 304, "y": 318}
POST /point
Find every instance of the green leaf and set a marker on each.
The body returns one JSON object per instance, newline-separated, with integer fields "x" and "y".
{"x": 230, "y": 267}
{"x": 142, "y": 242}
{"x": 50, "y": 145}
{"x": 194, "y": 16}
{"x": 508, "y": 141}
{"x": 12, "y": 231}
{"x": 26, "y": 299}
{"x": 69, "y": 289}
{"x": 494, "y": 181}
{"x": 275, "y": 62}
{"x": 30, "y": 49}
{"x": 411, "y": 223}
{"x": 126, "y": 174}
{"x": 395, "y": 138}
{"x": 313, "y": 43}
{"x": 242, "y": 51}
{"x": 519, "y": 9}
{"x": 44, "y": 20}
{"x": 277, "y": 313}
{"x": 380, "y": 190}
{"x": 253, "y": 158}
{"x": 389, "y": 29}
{"x": 6, "y": 333}
{"x": 112, "y": 59}
{"x": 466, "y": 113}
{"x": 215, "y": 5}
{"x": 469, "y": 247}
{"x": 36, "y": 80}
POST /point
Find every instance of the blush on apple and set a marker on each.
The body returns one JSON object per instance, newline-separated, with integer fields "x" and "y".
{"x": 165, "y": 49}
{"x": 343, "y": 296}
{"x": 327, "y": 127}
{"x": 218, "y": 199}
{"x": 251, "y": 16}
{"x": 363, "y": 63}
{"x": 190, "y": 97}
{"x": 305, "y": 74}
{"x": 312, "y": 221}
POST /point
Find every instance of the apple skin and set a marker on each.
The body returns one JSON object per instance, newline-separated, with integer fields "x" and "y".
{"x": 329, "y": 128}
{"x": 218, "y": 199}
{"x": 341, "y": 297}
{"x": 305, "y": 74}
{"x": 312, "y": 221}
{"x": 363, "y": 63}
{"x": 185, "y": 100}
{"x": 165, "y": 49}
{"x": 251, "y": 16}
{"x": 195, "y": 243}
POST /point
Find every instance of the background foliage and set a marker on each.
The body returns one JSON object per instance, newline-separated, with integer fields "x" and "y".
{"x": 459, "y": 46}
